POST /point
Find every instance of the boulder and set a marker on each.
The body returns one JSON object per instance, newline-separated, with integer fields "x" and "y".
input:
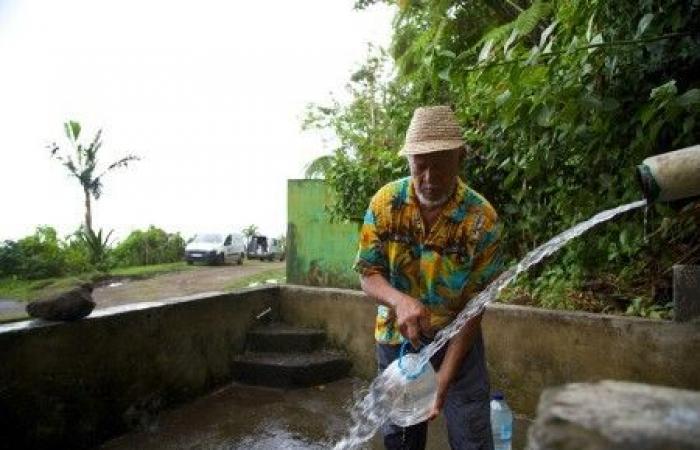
{"x": 66, "y": 306}
{"x": 614, "y": 415}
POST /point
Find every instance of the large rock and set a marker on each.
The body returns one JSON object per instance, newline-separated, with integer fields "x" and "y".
{"x": 70, "y": 305}
{"x": 614, "y": 415}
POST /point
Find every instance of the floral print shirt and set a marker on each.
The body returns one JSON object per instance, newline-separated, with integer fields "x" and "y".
{"x": 443, "y": 268}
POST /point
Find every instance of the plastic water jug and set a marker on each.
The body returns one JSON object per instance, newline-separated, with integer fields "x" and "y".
{"x": 501, "y": 422}
{"x": 412, "y": 387}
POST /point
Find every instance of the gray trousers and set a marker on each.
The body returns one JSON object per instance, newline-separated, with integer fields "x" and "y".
{"x": 467, "y": 408}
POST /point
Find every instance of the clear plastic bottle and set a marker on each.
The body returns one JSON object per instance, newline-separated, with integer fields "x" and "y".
{"x": 412, "y": 387}
{"x": 501, "y": 422}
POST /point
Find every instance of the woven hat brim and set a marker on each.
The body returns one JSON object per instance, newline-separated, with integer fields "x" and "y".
{"x": 419, "y": 148}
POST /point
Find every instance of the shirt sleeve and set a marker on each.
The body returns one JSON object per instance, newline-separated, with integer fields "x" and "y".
{"x": 488, "y": 260}
{"x": 371, "y": 258}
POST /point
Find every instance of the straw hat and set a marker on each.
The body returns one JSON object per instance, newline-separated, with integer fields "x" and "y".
{"x": 432, "y": 129}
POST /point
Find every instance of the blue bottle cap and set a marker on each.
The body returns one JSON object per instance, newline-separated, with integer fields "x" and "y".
{"x": 497, "y": 395}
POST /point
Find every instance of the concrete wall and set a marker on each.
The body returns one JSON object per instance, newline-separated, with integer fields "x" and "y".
{"x": 319, "y": 253}
{"x": 527, "y": 349}
{"x": 73, "y": 385}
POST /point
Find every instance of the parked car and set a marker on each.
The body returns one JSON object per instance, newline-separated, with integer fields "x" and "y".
{"x": 215, "y": 248}
{"x": 263, "y": 248}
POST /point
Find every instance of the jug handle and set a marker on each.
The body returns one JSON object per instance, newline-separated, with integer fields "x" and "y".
{"x": 410, "y": 375}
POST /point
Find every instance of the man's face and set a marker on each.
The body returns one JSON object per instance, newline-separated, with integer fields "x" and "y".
{"x": 435, "y": 175}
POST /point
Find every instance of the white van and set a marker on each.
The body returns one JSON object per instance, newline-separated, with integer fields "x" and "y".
{"x": 263, "y": 248}
{"x": 215, "y": 248}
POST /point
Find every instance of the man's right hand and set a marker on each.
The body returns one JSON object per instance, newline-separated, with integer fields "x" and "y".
{"x": 413, "y": 318}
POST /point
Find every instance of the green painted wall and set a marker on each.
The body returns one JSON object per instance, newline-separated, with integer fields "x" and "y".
{"x": 319, "y": 253}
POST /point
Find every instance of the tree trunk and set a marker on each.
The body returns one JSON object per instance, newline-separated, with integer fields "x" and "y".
{"x": 88, "y": 212}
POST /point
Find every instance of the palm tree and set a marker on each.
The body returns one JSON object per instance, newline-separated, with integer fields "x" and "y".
{"x": 83, "y": 164}
{"x": 249, "y": 232}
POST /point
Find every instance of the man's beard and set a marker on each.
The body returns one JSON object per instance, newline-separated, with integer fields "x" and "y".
{"x": 431, "y": 204}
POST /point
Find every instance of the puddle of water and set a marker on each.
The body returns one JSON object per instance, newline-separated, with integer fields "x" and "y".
{"x": 240, "y": 417}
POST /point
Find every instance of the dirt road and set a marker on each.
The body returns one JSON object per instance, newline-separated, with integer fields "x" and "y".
{"x": 179, "y": 284}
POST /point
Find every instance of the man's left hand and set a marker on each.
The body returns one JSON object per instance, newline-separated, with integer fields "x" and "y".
{"x": 442, "y": 386}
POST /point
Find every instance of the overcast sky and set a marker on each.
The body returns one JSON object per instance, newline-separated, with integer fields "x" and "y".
{"x": 209, "y": 93}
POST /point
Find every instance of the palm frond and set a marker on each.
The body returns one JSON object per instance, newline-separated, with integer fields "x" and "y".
{"x": 318, "y": 167}
{"x": 53, "y": 148}
{"x": 72, "y": 129}
{"x": 96, "y": 244}
{"x": 70, "y": 165}
{"x": 123, "y": 162}
{"x": 93, "y": 148}
{"x": 523, "y": 24}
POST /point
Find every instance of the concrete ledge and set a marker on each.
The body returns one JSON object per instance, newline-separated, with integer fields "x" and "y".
{"x": 528, "y": 349}
{"x": 73, "y": 385}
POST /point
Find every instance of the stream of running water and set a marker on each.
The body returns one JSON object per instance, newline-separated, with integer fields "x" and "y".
{"x": 372, "y": 410}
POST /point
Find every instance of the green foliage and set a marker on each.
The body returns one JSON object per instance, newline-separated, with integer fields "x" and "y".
{"x": 76, "y": 255}
{"x": 10, "y": 258}
{"x": 250, "y": 231}
{"x": 153, "y": 246}
{"x": 97, "y": 247}
{"x": 139, "y": 272}
{"x": 319, "y": 166}
{"x": 36, "y": 256}
{"x": 369, "y": 130}
{"x": 645, "y": 308}
{"x": 560, "y": 101}
{"x": 43, "y": 255}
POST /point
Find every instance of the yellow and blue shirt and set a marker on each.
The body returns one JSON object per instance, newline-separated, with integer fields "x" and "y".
{"x": 443, "y": 268}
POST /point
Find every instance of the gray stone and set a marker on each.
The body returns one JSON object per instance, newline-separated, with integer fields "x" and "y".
{"x": 686, "y": 292}
{"x": 615, "y": 415}
{"x": 282, "y": 338}
{"x": 291, "y": 369}
{"x": 70, "y": 305}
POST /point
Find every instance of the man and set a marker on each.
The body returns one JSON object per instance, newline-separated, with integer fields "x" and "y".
{"x": 427, "y": 245}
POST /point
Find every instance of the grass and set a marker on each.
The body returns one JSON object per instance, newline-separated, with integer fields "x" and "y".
{"x": 272, "y": 274}
{"x": 27, "y": 290}
{"x": 149, "y": 271}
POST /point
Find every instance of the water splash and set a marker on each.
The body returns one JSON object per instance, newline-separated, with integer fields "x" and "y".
{"x": 372, "y": 410}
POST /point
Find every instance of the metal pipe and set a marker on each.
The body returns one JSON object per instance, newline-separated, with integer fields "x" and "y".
{"x": 263, "y": 314}
{"x": 671, "y": 176}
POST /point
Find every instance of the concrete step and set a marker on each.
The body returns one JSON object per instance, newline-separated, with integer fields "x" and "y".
{"x": 283, "y": 338}
{"x": 291, "y": 369}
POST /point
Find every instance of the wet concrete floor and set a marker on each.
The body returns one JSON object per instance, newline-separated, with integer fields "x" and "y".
{"x": 240, "y": 417}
